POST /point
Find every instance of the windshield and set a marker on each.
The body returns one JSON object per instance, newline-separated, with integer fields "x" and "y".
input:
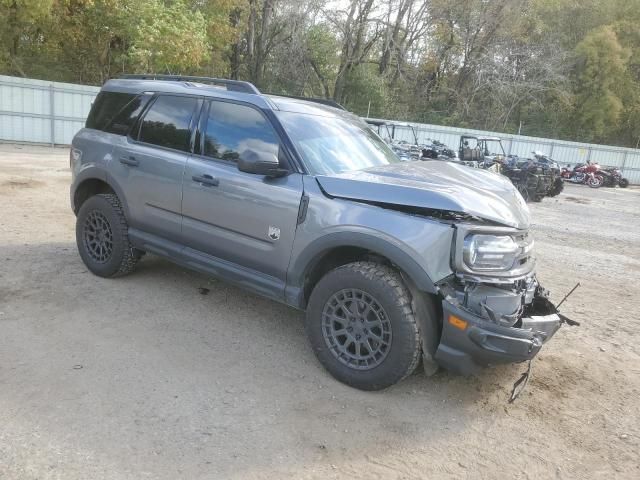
{"x": 331, "y": 145}
{"x": 494, "y": 148}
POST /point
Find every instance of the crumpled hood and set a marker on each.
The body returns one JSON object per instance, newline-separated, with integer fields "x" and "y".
{"x": 436, "y": 185}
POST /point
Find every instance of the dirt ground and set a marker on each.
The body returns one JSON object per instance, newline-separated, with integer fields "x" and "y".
{"x": 145, "y": 377}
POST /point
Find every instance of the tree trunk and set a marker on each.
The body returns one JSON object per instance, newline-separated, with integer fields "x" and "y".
{"x": 234, "y": 57}
{"x": 352, "y": 44}
{"x": 251, "y": 38}
{"x": 392, "y": 43}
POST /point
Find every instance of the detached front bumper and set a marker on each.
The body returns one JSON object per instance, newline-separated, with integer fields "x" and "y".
{"x": 469, "y": 342}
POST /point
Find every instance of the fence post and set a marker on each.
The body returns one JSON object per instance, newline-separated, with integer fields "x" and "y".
{"x": 624, "y": 160}
{"x": 53, "y": 114}
{"x": 551, "y": 153}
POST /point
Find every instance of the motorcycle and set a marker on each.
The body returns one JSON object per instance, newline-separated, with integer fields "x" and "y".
{"x": 612, "y": 177}
{"x": 583, "y": 174}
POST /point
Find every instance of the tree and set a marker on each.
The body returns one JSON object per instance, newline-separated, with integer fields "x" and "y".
{"x": 602, "y": 69}
{"x": 20, "y": 23}
{"x": 359, "y": 33}
{"x": 168, "y": 39}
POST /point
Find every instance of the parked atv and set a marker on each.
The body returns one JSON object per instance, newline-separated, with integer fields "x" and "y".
{"x": 480, "y": 151}
{"x": 550, "y": 167}
{"x": 533, "y": 181}
{"x": 535, "y": 178}
{"x": 387, "y": 131}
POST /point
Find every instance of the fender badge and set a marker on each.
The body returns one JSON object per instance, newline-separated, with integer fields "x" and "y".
{"x": 274, "y": 233}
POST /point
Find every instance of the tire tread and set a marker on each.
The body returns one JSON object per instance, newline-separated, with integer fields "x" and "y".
{"x": 129, "y": 257}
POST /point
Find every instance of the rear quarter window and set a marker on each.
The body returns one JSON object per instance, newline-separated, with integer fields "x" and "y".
{"x": 105, "y": 107}
{"x": 127, "y": 116}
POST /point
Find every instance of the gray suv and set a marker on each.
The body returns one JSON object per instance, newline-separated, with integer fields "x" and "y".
{"x": 394, "y": 262}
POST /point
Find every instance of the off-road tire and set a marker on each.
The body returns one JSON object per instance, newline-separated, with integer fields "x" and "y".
{"x": 558, "y": 187}
{"x": 123, "y": 256}
{"x": 385, "y": 285}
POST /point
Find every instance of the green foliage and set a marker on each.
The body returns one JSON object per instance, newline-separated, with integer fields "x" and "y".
{"x": 322, "y": 49}
{"x": 601, "y": 72}
{"x": 558, "y": 68}
{"x": 366, "y": 92}
{"x": 19, "y": 20}
{"x": 167, "y": 39}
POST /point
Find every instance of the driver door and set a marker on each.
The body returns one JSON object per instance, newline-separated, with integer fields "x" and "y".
{"x": 239, "y": 222}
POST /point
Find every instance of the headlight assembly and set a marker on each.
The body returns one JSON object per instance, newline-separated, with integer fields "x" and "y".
{"x": 487, "y": 253}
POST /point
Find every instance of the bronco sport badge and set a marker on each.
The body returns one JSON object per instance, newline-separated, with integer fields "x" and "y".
{"x": 274, "y": 233}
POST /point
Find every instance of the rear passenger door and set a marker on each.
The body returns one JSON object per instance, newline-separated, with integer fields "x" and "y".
{"x": 235, "y": 217}
{"x": 150, "y": 162}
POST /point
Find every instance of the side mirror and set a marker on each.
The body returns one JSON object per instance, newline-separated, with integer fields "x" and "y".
{"x": 260, "y": 163}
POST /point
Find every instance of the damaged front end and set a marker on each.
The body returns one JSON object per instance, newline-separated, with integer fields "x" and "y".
{"x": 494, "y": 310}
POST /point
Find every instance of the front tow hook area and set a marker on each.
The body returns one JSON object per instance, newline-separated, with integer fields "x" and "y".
{"x": 503, "y": 344}
{"x": 469, "y": 342}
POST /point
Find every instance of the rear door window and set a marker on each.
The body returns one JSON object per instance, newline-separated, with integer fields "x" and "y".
{"x": 231, "y": 129}
{"x": 167, "y": 122}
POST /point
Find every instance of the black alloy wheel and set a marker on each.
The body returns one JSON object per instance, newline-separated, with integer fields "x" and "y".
{"x": 356, "y": 329}
{"x": 98, "y": 237}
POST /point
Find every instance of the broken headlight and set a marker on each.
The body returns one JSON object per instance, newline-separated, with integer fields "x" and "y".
{"x": 487, "y": 253}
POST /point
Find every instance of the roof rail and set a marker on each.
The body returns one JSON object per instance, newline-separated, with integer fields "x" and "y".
{"x": 323, "y": 101}
{"x": 232, "y": 85}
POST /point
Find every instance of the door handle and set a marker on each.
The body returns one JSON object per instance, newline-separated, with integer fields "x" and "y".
{"x": 130, "y": 160}
{"x": 206, "y": 180}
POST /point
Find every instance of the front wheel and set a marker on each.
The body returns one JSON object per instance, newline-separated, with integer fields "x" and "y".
{"x": 361, "y": 326}
{"x": 558, "y": 187}
{"x": 595, "y": 181}
{"x": 624, "y": 183}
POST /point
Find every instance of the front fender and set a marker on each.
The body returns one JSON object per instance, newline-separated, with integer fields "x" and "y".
{"x": 307, "y": 259}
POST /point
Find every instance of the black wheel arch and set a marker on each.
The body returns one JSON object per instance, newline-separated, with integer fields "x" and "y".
{"x": 339, "y": 248}
{"x": 92, "y": 182}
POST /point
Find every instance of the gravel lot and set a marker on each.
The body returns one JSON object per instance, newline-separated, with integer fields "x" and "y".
{"x": 145, "y": 377}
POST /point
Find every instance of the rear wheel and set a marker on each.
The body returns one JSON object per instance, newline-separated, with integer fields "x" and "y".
{"x": 361, "y": 326}
{"x": 102, "y": 237}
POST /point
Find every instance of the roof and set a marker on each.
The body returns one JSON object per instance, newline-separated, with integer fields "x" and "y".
{"x": 191, "y": 86}
{"x": 379, "y": 123}
{"x": 477, "y": 137}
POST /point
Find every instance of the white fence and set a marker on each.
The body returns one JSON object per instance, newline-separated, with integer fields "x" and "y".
{"x": 37, "y": 111}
